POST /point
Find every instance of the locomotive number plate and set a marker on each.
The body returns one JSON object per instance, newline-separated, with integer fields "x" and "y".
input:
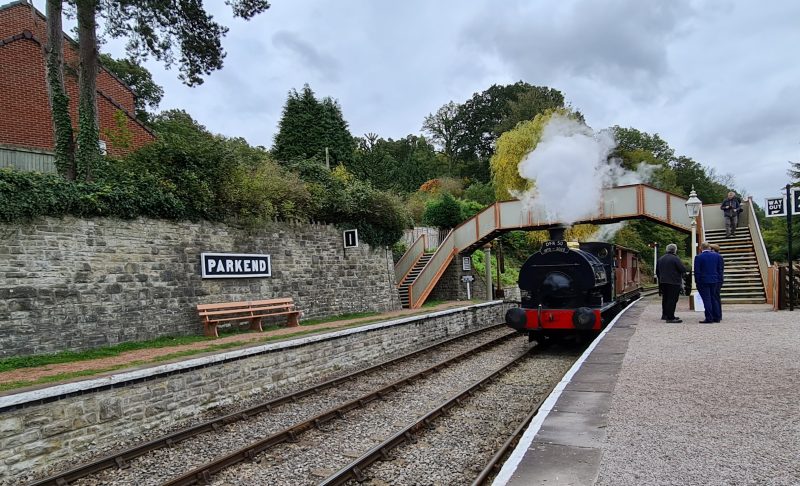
{"x": 557, "y": 245}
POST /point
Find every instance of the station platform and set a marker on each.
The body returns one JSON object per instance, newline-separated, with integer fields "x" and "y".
{"x": 673, "y": 404}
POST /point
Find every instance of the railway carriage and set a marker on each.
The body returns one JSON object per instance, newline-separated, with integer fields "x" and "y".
{"x": 570, "y": 289}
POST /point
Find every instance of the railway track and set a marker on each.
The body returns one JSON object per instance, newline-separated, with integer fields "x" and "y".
{"x": 405, "y": 458}
{"x": 318, "y": 434}
{"x": 149, "y": 457}
{"x": 448, "y": 444}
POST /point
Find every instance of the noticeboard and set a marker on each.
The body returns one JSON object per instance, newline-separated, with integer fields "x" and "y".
{"x": 795, "y": 197}
{"x": 350, "y": 238}
{"x": 466, "y": 264}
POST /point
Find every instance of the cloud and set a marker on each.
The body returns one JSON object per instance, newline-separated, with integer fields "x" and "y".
{"x": 310, "y": 57}
{"x": 770, "y": 115}
{"x": 621, "y": 43}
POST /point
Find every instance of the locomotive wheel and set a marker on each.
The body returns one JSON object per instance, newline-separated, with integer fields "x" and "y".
{"x": 540, "y": 338}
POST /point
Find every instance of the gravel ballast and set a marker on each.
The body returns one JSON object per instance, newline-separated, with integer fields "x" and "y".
{"x": 707, "y": 404}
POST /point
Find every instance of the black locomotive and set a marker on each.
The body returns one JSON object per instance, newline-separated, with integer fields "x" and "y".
{"x": 568, "y": 289}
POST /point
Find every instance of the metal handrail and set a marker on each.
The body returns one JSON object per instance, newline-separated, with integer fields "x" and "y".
{"x": 409, "y": 258}
{"x": 417, "y": 289}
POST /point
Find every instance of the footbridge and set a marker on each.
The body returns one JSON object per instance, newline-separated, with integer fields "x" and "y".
{"x": 417, "y": 272}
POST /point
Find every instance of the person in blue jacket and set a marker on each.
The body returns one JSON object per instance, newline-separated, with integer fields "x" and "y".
{"x": 708, "y": 271}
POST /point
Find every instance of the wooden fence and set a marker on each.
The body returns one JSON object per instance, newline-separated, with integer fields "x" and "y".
{"x": 778, "y": 286}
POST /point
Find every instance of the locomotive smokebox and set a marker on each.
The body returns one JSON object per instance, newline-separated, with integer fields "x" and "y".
{"x": 557, "y": 233}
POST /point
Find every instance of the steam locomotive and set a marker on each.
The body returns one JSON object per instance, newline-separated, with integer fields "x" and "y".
{"x": 568, "y": 290}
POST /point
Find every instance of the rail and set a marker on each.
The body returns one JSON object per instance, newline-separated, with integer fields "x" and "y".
{"x": 353, "y": 471}
{"x": 122, "y": 458}
{"x": 204, "y": 473}
{"x": 409, "y": 258}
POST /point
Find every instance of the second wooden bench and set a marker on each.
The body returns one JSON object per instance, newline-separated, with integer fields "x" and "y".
{"x": 253, "y": 311}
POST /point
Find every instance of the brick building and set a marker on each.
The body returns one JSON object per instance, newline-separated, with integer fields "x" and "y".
{"x": 26, "y": 127}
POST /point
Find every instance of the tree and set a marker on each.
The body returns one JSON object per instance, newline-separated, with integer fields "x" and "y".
{"x": 140, "y": 80}
{"x": 467, "y": 132}
{"x": 631, "y": 141}
{"x": 444, "y": 130}
{"x": 401, "y": 165}
{"x": 512, "y": 147}
{"x": 308, "y": 126}
{"x": 153, "y": 27}
{"x": 689, "y": 174}
{"x": 59, "y": 101}
{"x": 794, "y": 171}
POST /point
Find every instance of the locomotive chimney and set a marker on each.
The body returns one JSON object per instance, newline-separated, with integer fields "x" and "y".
{"x": 557, "y": 232}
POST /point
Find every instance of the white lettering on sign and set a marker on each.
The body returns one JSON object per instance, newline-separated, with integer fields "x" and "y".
{"x": 234, "y": 265}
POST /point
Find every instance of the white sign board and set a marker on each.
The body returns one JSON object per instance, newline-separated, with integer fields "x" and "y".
{"x": 350, "y": 238}
{"x": 235, "y": 265}
{"x": 776, "y": 206}
{"x": 466, "y": 264}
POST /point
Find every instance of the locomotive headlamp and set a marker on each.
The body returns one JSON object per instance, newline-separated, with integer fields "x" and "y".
{"x": 583, "y": 318}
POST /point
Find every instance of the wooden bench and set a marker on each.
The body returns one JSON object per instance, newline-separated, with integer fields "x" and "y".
{"x": 253, "y": 311}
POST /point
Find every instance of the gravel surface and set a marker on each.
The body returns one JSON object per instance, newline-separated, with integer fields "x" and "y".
{"x": 707, "y": 404}
{"x": 320, "y": 453}
{"x": 160, "y": 465}
{"x": 462, "y": 441}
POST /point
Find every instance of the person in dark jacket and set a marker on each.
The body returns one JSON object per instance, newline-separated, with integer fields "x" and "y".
{"x": 670, "y": 270}
{"x": 715, "y": 249}
{"x": 708, "y": 271}
{"x": 731, "y": 207}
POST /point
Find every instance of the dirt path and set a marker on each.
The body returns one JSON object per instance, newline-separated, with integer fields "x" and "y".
{"x": 148, "y": 357}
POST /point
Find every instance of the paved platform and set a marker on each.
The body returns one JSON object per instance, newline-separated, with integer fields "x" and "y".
{"x": 674, "y": 404}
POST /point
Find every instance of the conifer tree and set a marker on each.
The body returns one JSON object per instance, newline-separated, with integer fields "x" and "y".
{"x": 309, "y": 126}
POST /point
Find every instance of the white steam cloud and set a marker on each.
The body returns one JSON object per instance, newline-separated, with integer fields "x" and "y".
{"x": 570, "y": 168}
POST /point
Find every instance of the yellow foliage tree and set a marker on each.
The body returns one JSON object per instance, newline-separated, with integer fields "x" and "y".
{"x": 512, "y": 147}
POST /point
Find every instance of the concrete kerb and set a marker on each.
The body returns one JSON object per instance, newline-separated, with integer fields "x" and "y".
{"x": 17, "y": 399}
{"x": 511, "y": 464}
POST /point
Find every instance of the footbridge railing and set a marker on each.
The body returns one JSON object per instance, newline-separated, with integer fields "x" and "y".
{"x": 759, "y": 247}
{"x": 620, "y": 203}
{"x": 409, "y": 258}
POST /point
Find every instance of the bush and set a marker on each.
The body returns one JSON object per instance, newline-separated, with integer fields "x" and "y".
{"x": 264, "y": 192}
{"x": 443, "y": 212}
{"x": 27, "y": 195}
{"x": 480, "y": 192}
{"x": 195, "y": 164}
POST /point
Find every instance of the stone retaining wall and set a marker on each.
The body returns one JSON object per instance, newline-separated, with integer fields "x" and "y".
{"x": 78, "y": 284}
{"x": 35, "y": 435}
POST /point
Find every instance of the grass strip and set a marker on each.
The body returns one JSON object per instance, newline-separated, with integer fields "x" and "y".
{"x": 340, "y": 317}
{"x": 18, "y": 362}
{"x": 9, "y": 364}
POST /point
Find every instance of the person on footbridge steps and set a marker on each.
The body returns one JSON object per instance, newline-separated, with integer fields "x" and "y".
{"x": 731, "y": 207}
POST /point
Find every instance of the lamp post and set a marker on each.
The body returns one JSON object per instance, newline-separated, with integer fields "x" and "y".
{"x": 693, "y": 205}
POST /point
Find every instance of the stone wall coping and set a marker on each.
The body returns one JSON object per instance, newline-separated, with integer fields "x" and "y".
{"x": 119, "y": 379}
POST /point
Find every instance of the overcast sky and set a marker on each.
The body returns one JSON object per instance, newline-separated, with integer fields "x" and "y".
{"x": 719, "y": 80}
